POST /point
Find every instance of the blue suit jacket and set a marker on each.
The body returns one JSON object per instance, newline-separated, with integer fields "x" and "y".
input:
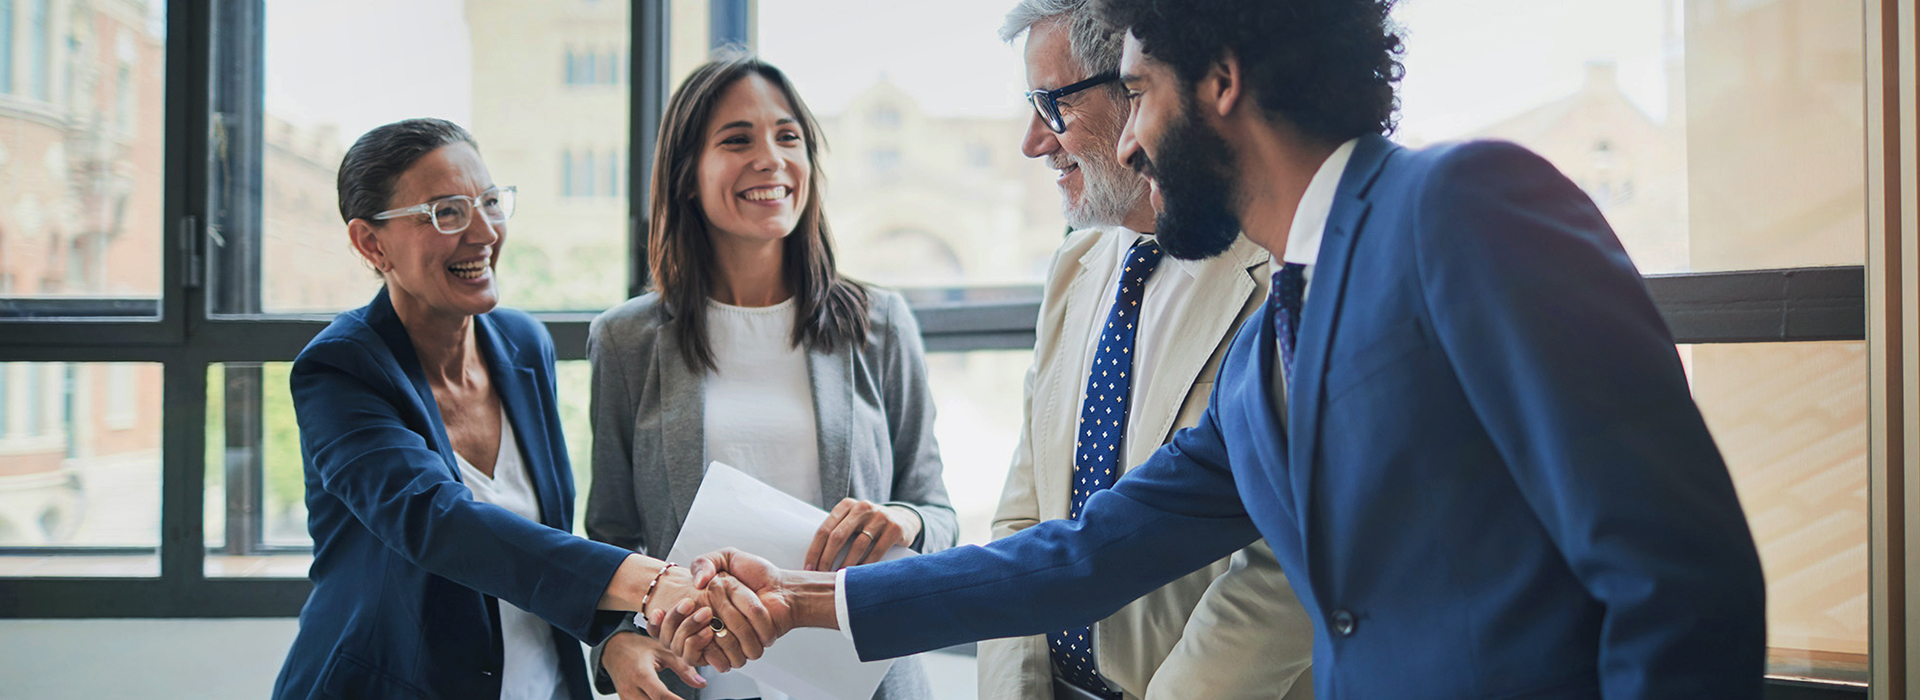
{"x": 1491, "y": 480}
{"x": 408, "y": 569}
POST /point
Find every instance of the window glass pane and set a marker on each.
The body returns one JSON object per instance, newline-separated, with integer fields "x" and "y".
{"x": 1714, "y": 135}
{"x": 1791, "y": 420}
{"x": 6, "y": 46}
{"x": 520, "y": 76}
{"x": 79, "y": 469}
{"x": 256, "y": 477}
{"x": 926, "y": 185}
{"x": 80, "y": 157}
{"x": 979, "y": 395}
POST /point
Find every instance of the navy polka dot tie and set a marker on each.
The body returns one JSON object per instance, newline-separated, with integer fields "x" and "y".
{"x": 1283, "y": 301}
{"x": 1096, "y": 456}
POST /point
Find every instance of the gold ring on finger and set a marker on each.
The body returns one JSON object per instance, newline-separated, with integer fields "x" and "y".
{"x": 719, "y": 629}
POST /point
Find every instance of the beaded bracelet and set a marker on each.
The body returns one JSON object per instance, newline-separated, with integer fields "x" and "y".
{"x": 648, "y": 598}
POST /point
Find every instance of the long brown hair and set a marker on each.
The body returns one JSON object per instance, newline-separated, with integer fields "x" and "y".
{"x": 828, "y": 309}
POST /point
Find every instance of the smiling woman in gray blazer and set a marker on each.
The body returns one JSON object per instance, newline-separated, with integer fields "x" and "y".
{"x": 752, "y": 350}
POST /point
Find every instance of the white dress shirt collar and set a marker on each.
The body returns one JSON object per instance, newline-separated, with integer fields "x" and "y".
{"x": 1316, "y": 205}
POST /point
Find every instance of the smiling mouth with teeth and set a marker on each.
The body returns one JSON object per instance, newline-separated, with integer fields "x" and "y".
{"x": 468, "y": 270}
{"x": 765, "y": 194}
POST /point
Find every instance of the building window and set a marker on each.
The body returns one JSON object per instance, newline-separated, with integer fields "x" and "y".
{"x": 123, "y": 396}
{"x": 6, "y": 46}
{"x": 886, "y": 117}
{"x": 613, "y": 173}
{"x": 980, "y": 156}
{"x": 40, "y": 53}
{"x": 123, "y": 98}
{"x": 611, "y": 72}
{"x": 572, "y": 68}
{"x": 885, "y": 160}
{"x": 583, "y": 184}
{"x": 6, "y": 400}
{"x": 566, "y": 170}
{"x": 36, "y": 404}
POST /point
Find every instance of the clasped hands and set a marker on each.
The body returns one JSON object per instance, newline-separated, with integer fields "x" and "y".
{"x": 754, "y": 602}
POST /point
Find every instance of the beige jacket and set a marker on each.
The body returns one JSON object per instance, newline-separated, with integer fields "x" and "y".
{"x": 1231, "y": 630}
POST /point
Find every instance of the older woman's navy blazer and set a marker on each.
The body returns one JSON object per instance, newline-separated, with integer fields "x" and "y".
{"x": 408, "y": 569}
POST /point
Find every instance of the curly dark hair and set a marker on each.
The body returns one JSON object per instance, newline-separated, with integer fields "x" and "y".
{"x": 1326, "y": 67}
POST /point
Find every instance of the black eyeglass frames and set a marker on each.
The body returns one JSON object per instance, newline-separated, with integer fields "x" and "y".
{"x": 1047, "y": 102}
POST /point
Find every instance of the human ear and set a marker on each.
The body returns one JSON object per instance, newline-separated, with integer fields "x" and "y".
{"x": 1221, "y": 88}
{"x": 363, "y": 237}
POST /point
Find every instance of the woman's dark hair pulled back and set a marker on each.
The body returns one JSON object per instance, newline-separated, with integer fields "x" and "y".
{"x": 372, "y": 167}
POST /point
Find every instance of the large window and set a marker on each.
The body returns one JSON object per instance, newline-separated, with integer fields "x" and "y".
{"x": 484, "y": 64}
{"x": 80, "y": 469}
{"x": 169, "y": 238}
{"x": 80, "y": 167}
{"x": 1714, "y": 135}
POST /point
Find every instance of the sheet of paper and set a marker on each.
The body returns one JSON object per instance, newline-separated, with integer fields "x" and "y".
{"x": 736, "y": 510}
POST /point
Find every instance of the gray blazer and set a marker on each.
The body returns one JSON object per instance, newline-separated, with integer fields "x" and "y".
{"x": 871, "y": 403}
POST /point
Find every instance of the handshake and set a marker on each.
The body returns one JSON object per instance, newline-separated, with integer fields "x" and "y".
{"x": 729, "y": 606}
{"x": 723, "y": 611}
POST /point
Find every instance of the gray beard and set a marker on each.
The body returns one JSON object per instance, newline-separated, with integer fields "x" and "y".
{"x": 1111, "y": 192}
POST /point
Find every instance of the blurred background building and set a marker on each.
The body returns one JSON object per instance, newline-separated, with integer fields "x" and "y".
{"x": 1713, "y": 134}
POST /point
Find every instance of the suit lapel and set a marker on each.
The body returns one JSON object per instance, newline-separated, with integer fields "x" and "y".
{"x": 681, "y": 443}
{"x": 1321, "y": 314}
{"x": 520, "y": 393}
{"x": 1218, "y": 294}
{"x": 1085, "y": 307}
{"x": 832, "y": 378}
{"x": 386, "y": 323}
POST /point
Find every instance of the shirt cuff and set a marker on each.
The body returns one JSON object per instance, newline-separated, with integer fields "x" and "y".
{"x": 840, "y": 603}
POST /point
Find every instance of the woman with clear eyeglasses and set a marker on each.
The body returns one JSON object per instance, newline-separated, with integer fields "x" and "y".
{"x": 439, "y": 493}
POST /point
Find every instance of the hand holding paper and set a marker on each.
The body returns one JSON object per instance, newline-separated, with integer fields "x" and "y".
{"x": 863, "y": 531}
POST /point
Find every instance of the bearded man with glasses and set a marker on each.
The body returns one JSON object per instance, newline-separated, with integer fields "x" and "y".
{"x": 1232, "y": 629}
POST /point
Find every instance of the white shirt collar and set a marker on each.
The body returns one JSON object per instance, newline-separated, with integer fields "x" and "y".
{"x": 1316, "y": 206}
{"x": 1191, "y": 267}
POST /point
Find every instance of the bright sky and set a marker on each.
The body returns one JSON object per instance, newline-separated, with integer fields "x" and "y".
{"x": 1470, "y": 63}
{"x": 358, "y": 64}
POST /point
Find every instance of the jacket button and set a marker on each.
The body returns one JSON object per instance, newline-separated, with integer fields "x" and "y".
{"x": 1343, "y": 623}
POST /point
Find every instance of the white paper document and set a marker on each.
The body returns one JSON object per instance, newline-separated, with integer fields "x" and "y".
{"x": 736, "y": 510}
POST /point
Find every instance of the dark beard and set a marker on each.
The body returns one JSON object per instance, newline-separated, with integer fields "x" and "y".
{"x": 1196, "y": 220}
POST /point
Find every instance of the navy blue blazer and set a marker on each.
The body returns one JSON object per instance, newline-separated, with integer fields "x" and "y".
{"x": 407, "y": 568}
{"x": 1491, "y": 480}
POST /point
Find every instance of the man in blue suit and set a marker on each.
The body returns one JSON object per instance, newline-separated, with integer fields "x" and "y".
{"x": 1459, "y": 421}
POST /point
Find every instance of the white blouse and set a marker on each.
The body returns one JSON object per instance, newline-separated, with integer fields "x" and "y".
{"x": 759, "y": 419}
{"x": 531, "y": 669}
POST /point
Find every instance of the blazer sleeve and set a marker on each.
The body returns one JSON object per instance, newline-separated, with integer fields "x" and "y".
{"x": 1567, "y": 363}
{"x": 613, "y": 516}
{"x": 1176, "y": 513}
{"x": 918, "y": 482}
{"x": 361, "y": 451}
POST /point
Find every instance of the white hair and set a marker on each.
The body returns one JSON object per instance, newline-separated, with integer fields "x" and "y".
{"x": 1095, "y": 45}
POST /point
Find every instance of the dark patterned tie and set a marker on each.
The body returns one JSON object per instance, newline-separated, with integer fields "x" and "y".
{"x": 1283, "y": 302}
{"x": 1103, "y": 421}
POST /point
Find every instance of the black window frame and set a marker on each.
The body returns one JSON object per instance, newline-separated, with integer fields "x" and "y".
{"x": 206, "y": 38}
